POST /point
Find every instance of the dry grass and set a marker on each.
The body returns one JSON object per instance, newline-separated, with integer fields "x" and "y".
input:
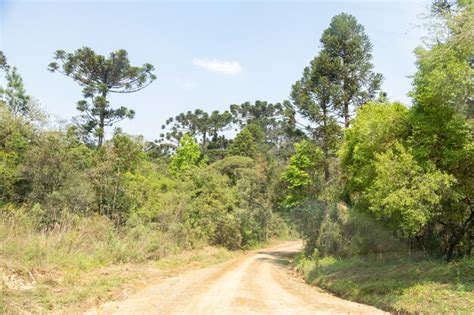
{"x": 84, "y": 262}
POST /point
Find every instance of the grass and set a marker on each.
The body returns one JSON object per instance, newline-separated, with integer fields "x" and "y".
{"x": 85, "y": 262}
{"x": 410, "y": 285}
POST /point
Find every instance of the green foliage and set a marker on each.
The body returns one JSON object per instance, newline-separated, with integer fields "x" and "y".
{"x": 348, "y": 53}
{"x": 233, "y": 167}
{"x": 442, "y": 121}
{"x": 55, "y": 170}
{"x": 112, "y": 163}
{"x": 333, "y": 229}
{"x": 445, "y": 69}
{"x": 14, "y": 94}
{"x": 244, "y": 144}
{"x": 99, "y": 76}
{"x": 303, "y": 174}
{"x": 211, "y": 201}
{"x": 207, "y": 127}
{"x": 15, "y": 137}
{"x": 3, "y": 61}
{"x": 313, "y": 96}
{"x": 376, "y": 128}
{"x": 187, "y": 155}
{"x": 155, "y": 195}
{"x": 267, "y": 116}
{"x": 410, "y": 169}
{"x": 403, "y": 195}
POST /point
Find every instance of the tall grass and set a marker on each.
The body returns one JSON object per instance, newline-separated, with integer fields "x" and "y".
{"x": 78, "y": 242}
{"x": 47, "y": 269}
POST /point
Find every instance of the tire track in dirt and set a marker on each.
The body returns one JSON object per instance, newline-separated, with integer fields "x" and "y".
{"x": 256, "y": 283}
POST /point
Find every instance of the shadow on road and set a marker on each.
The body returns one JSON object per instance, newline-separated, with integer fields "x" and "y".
{"x": 280, "y": 258}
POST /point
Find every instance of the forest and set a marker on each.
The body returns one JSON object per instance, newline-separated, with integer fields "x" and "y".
{"x": 338, "y": 163}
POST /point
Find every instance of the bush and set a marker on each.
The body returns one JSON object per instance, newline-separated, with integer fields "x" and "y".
{"x": 335, "y": 230}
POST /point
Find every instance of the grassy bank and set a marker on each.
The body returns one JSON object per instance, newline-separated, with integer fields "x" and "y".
{"x": 402, "y": 285}
{"x": 86, "y": 262}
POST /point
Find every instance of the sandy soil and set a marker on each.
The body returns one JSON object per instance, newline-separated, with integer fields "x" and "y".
{"x": 257, "y": 283}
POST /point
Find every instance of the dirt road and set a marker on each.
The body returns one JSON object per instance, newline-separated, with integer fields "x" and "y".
{"x": 257, "y": 283}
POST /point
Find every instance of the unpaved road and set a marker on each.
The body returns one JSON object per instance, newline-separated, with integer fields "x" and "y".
{"x": 257, "y": 283}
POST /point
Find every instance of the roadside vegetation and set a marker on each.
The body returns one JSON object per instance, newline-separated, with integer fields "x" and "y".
{"x": 393, "y": 224}
{"x": 73, "y": 202}
{"x": 85, "y": 261}
{"x": 409, "y": 284}
{"x": 381, "y": 192}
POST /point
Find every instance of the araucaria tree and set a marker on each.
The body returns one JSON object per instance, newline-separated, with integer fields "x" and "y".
{"x": 203, "y": 125}
{"x": 337, "y": 81}
{"x": 100, "y": 76}
{"x": 313, "y": 96}
{"x": 348, "y": 53}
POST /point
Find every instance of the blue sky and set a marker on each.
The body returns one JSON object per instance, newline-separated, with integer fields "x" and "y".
{"x": 207, "y": 54}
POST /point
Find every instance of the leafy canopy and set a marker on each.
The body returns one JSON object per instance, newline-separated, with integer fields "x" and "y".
{"x": 187, "y": 155}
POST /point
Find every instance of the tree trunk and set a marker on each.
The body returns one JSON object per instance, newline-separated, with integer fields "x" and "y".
{"x": 452, "y": 245}
{"x": 456, "y": 238}
{"x": 204, "y": 142}
{"x": 346, "y": 115}
{"x": 325, "y": 146}
{"x": 100, "y": 135}
{"x": 101, "y": 129}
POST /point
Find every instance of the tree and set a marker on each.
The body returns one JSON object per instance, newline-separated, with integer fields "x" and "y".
{"x": 14, "y": 95}
{"x": 405, "y": 196}
{"x": 210, "y": 213}
{"x": 377, "y": 127}
{"x": 445, "y": 64}
{"x": 243, "y": 144}
{"x": 55, "y": 172}
{"x": 313, "y": 96}
{"x": 303, "y": 175}
{"x": 3, "y": 61}
{"x": 99, "y": 77}
{"x": 348, "y": 52}
{"x": 442, "y": 7}
{"x": 219, "y": 122}
{"x": 200, "y": 124}
{"x": 16, "y": 137}
{"x": 268, "y": 116}
{"x": 112, "y": 163}
{"x": 336, "y": 82}
{"x": 187, "y": 155}
{"x": 249, "y": 181}
{"x": 442, "y": 121}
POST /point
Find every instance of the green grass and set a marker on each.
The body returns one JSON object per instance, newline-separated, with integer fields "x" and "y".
{"x": 397, "y": 284}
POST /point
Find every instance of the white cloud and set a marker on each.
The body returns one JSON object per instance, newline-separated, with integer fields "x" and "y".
{"x": 219, "y": 66}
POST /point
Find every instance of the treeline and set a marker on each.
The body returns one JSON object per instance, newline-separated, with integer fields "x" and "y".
{"x": 218, "y": 191}
{"x": 227, "y": 202}
{"x": 388, "y": 178}
{"x": 356, "y": 173}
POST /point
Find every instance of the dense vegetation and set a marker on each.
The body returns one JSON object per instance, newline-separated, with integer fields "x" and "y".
{"x": 404, "y": 174}
{"x": 355, "y": 173}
